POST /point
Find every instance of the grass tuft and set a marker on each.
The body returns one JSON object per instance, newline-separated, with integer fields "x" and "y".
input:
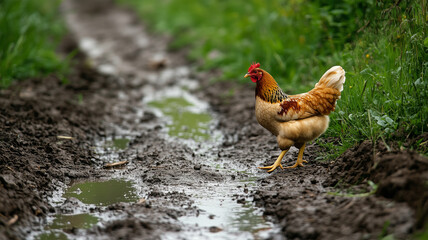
{"x": 30, "y": 32}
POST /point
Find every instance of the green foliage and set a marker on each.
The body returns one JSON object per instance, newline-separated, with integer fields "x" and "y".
{"x": 29, "y": 33}
{"x": 381, "y": 44}
{"x": 423, "y": 234}
{"x": 384, "y": 234}
{"x": 386, "y": 90}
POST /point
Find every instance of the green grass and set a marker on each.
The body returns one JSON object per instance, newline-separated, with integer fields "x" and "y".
{"x": 381, "y": 45}
{"x": 386, "y": 93}
{"x": 29, "y": 34}
{"x": 423, "y": 234}
{"x": 372, "y": 185}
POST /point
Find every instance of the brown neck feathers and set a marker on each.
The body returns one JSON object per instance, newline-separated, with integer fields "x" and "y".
{"x": 268, "y": 90}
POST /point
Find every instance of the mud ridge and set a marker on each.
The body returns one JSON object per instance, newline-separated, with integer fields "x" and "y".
{"x": 400, "y": 175}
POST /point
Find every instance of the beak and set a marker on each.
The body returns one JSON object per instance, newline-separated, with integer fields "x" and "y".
{"x": 246, "y": 75}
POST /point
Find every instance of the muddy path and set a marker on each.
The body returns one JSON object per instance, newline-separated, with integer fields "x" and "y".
{"x": 187, "y": 149}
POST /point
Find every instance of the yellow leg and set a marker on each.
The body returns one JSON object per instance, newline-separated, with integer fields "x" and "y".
{"x": 277, "y": 162}
{"x": 300, "y": 160}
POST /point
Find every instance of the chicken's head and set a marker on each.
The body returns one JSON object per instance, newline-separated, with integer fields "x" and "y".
{"x": 254, "y": 72}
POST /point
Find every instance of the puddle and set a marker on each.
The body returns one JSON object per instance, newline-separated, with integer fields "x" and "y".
{"x": 110, "y": 149}
{"x": 90, "y": 193}
{"x": 103, "y": 193}
{"x": 225, "y": 210}
{"x": 62, "y": 221}
{"x": 249, "y": 219}
{"x": 118, "y": 143}
{"x": 185, "y": 121}
{"x": 52, "y": 236}
{"x": 223, "y": 218}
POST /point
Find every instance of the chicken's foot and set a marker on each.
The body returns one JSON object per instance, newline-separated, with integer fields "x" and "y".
{"x": 300, "y": 160}
{"x": 276, "y": 163}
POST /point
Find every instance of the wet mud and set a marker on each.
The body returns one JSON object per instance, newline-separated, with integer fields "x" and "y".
{"x": 139, "y": 145}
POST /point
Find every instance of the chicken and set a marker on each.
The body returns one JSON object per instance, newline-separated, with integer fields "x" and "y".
{"x": 295, "y": 119}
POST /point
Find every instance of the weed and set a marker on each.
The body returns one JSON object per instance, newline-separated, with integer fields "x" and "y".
{"x": 80, "y": 99}
{"x": 423, "y": 235}
{"x": 30, "y": 31}
{"x": 384, "y": 234}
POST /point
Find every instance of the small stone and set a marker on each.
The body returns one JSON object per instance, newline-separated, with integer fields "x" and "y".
{"x": 215, "y": 229}
{"x": 51, "y": 209}
{"x": 8, "y": 180}
{"x": 197, "y": 167}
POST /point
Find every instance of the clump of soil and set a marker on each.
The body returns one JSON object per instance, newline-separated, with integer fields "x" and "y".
{"x": 400, "y": 175}
{"x": 353, "y": 166}
{"x": 128, "y": 228}
{"x": 403, "y": 176}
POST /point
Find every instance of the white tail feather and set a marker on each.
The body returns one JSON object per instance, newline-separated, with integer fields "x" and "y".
{"x": 333, "y": 78}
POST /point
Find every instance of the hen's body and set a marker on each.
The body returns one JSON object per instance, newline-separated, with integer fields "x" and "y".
{"x": 293, "y": 132}
{"x": 296, "y": 119}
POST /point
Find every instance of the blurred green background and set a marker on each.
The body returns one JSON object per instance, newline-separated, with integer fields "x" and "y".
{"x": 382, "y": 45}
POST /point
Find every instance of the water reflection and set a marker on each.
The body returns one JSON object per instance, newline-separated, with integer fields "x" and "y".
{"x": 185, "y": 121}
{"x": 103, "y": 193}
{"x": 243, "y": 221}
{"x": 52, "y": 236}
{"x": 248, "y": 219}
{"x": 118, "y": 143}
{"x": 62, "y": 221}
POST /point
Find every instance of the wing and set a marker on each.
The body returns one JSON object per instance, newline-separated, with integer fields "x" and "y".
{"x": 319, "y": 101}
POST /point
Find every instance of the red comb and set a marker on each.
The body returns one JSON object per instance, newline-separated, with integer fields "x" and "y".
{"x": 254, "y": 65}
